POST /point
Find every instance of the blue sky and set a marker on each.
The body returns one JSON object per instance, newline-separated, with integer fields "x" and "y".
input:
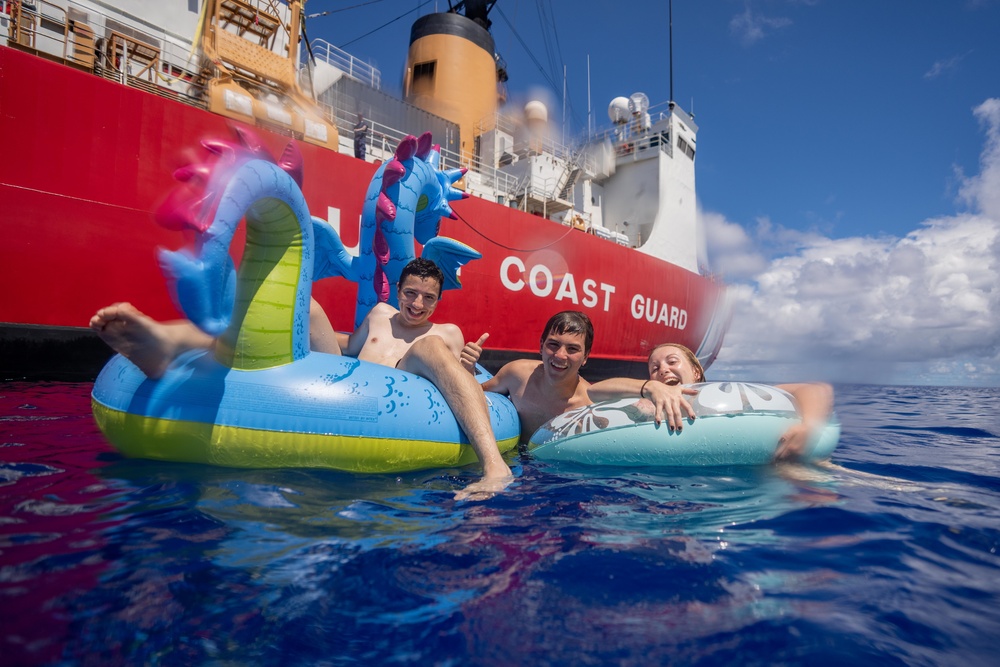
{"x": 848, "y": 167}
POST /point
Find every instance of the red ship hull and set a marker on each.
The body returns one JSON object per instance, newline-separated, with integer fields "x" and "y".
{"x": 87, "y": 161}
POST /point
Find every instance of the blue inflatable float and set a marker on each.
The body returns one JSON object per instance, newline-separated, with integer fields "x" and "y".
{"x": 737, "y": 423}
{"x": 260, "y": 398}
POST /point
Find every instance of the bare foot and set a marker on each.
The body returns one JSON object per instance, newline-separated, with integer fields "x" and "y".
{"x": 140, "y": 339}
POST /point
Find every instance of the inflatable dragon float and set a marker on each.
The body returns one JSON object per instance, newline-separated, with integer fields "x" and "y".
{"x": 261, "y": 398}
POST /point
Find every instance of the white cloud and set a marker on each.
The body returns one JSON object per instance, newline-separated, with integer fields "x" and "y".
{"x": 751, "y": 27}
{"x": 983, "y": 191}
{"x": 942, "y": 66}
{"x": 733, "y": 253}
{"x": 924, "y": 308}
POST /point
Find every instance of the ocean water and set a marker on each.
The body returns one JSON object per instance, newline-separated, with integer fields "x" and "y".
{"x": 886, "y": 556}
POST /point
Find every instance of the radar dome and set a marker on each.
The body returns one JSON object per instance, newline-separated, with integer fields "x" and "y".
{"x": 618, "y": 110}
{"x": 535, "y": 111}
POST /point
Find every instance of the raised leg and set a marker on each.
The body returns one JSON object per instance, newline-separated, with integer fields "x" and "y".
{"x": 322, "y": 337}
{"x": 430, "y": 358}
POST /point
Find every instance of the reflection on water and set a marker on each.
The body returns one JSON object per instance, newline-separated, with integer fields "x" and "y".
{"x": 886, "y": 555}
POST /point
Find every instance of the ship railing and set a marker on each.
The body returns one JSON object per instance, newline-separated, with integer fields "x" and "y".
{"x": 116, "y": 49}
{"x": 638, "y": 147}
{"x": 353, "y": 67}
{"x": 45, "y": 29}
{"x": 487, "y": 182}
{"x": 632, "y": 140}
{"x": 525, "y": 145}
{"x": 382, "y": 139}
{"x": 491, "y": 182}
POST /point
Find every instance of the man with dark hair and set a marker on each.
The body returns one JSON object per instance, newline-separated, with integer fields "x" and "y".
{"x": 540, "y": 390}
{"x": 403, "y": 338}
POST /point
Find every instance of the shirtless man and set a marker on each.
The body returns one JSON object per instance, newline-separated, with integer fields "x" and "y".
{"x": 540, "y": 390}
{"x": 403, "y": 339}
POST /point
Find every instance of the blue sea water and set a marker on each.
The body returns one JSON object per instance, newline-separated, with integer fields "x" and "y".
{"x": 885, "y": 556}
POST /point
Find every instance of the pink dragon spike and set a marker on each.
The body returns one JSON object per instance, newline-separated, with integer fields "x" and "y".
{"x": 252, "y": 143}
{"x": 381, "y": 285}
{"x": 394, "y": 172}
{"x": 199, "y": 173}
{"x": 424, "y": 145}
{"x": 291, "y": 162}
{"x": 218, "y": 146}
{"x": 380, "y": 247}
{"x": 384, "y": 209}
{"x": 406, "y": 148}
{"x": 179, "y": 212}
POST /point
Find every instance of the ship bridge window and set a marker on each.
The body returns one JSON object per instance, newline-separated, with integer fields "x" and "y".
{"x": 423, "y": 77}
{"x": 685, "y": 147}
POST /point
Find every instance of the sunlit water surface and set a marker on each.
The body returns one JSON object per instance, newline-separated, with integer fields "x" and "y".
{"x": 886, "y": 557}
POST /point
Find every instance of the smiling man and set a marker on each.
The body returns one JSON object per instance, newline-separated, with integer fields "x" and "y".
{"x": 406, "y": 339}
{"x": 540, "y": 390}
{"x": 543, "y": 389}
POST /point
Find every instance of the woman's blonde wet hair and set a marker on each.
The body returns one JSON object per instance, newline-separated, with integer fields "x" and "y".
{"x": 687, "y": 353}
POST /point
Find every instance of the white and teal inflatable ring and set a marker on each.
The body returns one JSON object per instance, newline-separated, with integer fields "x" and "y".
{"x": 737, "y": 423}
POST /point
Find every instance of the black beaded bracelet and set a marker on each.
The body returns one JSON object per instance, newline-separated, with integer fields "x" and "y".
{"x": 642, "y": 389}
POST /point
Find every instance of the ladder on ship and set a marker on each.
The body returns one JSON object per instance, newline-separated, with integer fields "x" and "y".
{"x": 248, "y": 78}
{"x": 247, "y": 51}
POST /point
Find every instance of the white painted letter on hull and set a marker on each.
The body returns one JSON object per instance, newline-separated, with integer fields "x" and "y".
{"x": 651, "y": 310}
{"x": 542, "y": 281}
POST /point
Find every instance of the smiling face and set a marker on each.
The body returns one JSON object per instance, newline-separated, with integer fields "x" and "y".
{"x": 671, "y": 364}
{"x": 418, "y": 297}
{"x": 563, "y": 354}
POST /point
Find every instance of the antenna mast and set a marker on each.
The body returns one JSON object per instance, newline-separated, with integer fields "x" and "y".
{"x": 671, "y": 38}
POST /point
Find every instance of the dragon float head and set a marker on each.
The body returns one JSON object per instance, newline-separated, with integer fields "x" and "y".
{"x": 260, "y": 316}
{"x": 414, "y": 195}
{"x": 434, "y": 199}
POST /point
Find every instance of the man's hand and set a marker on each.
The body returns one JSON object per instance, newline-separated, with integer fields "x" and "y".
{"x": 471, "y": 353}
{"x": 669, "y": 403}
{"x": 496, "y": 477}
{"x": 484, "y": 489}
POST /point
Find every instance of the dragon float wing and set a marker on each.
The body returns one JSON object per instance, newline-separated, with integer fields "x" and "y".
{"x": 450, "y": 255}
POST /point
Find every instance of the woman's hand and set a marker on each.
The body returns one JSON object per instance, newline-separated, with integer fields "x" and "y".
{"x": 793, "y": 442}
{"x": 669, "y": 403}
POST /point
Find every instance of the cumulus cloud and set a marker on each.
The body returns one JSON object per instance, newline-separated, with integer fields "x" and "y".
{"x": 924, "y": 308}
{"x": 751, "y": 27}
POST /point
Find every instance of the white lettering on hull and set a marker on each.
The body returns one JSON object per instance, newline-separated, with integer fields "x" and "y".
{"x": 543, "y": 283}
{"x": 651, "y": 310}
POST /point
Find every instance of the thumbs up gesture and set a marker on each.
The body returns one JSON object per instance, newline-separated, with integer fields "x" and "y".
{"x": 471, "y": 353}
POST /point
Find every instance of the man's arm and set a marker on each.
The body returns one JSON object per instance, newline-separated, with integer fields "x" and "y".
{"x": 668, "y": 400}
{"x": 815, "y": 401}
{"x": 499, "y": 382}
